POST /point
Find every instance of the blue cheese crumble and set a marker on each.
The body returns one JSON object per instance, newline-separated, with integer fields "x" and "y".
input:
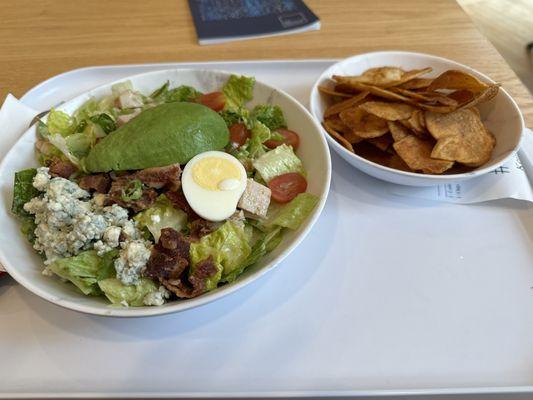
{"x": 131, "y": 261}
{"x": 156, "y": 298}
{"x": 69, "y": 222}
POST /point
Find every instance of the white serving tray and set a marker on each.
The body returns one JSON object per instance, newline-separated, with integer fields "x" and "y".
{"x": 387, "y": 295}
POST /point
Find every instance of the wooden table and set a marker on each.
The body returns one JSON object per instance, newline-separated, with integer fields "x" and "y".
{"x": 39, "y": 39}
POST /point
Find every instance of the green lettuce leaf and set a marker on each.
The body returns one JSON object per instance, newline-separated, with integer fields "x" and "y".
{"x": 181, "y": 93}
{"x": 260, "y": 134}
{"x": 23, "y": 191}
{"x": 133, "y": 295}
{"x": 271, "y": 116}
{"x": 62, "y": 145}
{"x": 79, "y": 144}
{"x": 292, "y": 214}
{"x": 277, "y": 162}
{"x": 105, "y": 121}
{"x": 118, "y": 88}
{"x": 86, "y": 269}
{"x": 93, "y": 107}
{"x": 238, "y": 91}
{"x": 60, "y": 123}
{"x": 267, "y": 242}
{"x": 161, "y": 215}
{"x": 239, "y": 116}
{"x": 228, "y": 245}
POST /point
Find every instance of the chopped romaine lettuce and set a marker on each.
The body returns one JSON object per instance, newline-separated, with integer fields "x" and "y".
{"x": 79, "y": 144}
{"x": 260, "y": 134}
{"x": 228, "y": 245}
{"x": 271, "y": 116}
{"x": 42, "y": 130}
{"x": 161, "y": 215}
{"x": 118, "y": 88}
{"x": 23, "y": 191}
{"x": 86, "y": 269}
{"x": 238, "y": 91}
{"x": 241, "y": 115}
{"x": 266, "y": 242}
{"x": 276, "y": 162}
{"x": 62, "y": 145}
{"x": 181, "y": 93}
{"x": 93, "y": 107}
{"x": 60, "y": 123}
{"x": 292, "y": 214}
{"x": 105, "y": 121}
{"x": 132, "y": 295}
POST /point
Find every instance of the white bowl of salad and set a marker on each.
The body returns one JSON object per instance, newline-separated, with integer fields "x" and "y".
{"x": 161, "y": 192}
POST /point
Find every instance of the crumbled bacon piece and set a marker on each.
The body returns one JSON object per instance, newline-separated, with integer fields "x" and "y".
{"x": 197, "y": 280}
{"x": 170, "y": 264}
{"x": 170, "y": 256}
{"x": 61, "y": 168}
{"x": 200, "y": 228}
{"x": 99, "y": 183}
{"x": 159, "y": 177}
{"x": 120, "y": 186}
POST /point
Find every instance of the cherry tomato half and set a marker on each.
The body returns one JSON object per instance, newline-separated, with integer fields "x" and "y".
{"x": 238, "y": 134}
{"x": 215, "y": 100}
{"x": 291, "y": 138}
{"x": 287, "y": 186}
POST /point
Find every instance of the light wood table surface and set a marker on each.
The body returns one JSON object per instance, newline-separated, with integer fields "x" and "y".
{"x": 39, "y": 39}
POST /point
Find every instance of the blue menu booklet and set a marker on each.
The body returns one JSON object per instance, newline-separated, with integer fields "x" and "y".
{"x": 220, "y": 21}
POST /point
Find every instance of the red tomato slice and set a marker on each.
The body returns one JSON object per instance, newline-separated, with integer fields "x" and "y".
{"x": 291, "y": 138}
{"x": 214, "y": 100}
{"x": 238, "y": 134}
{"x": 287, "y": 186}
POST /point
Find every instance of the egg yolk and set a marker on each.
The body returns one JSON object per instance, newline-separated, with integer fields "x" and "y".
{"x": 210, "y": 172}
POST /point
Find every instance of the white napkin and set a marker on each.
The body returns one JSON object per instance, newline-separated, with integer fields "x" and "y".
{"x": 15, "y": 118}
{"x": 510, "y": 181}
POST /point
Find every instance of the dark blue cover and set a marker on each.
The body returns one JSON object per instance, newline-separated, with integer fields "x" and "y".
{"x": 217, "y": 19}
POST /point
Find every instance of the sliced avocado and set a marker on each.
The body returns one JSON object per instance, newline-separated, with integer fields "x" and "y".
{"x": 166, "y": 134}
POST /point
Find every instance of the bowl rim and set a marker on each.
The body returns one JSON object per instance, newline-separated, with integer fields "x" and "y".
{"x": 108, "y": 310}
{"x": 314, "y": 96}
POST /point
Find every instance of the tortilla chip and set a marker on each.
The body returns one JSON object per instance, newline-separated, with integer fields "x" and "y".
{"x": 332, "y": 92}
{"x": 388, "y": 111}
{"x": 398, "y": 131}
{"x": 461, "y": 96}
{"x": 383, "y": 142}
{"x": 416, "y": 124}
{"x": 364, "y": 124}
{"x": 417, "y": 155}
{"x": 383, "y": 76}
{"x": 461, "y": 137}
{"x": 334, "y": 122}
{"x": 482, "y": 97}
{"x": 454, "y": 80}
{"x": 345, "y": 104}
{"x": 416, "y": 83}
{"x": 338, "y": 137}
{"x": 397, "y": 162}
{"x": 428, "y": 97}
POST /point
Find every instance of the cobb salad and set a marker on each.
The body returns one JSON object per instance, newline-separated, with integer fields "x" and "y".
{"x": 148, "y": 198}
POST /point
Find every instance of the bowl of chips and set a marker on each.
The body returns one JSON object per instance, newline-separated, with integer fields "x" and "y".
{"x": 416, "y": 119}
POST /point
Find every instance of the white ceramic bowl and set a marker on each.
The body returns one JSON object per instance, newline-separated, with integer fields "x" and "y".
{"x": 501, "y": 115}
{"x": 23, "y": 264}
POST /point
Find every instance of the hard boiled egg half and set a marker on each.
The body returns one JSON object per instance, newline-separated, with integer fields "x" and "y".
{"x": 213, "y": 182}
